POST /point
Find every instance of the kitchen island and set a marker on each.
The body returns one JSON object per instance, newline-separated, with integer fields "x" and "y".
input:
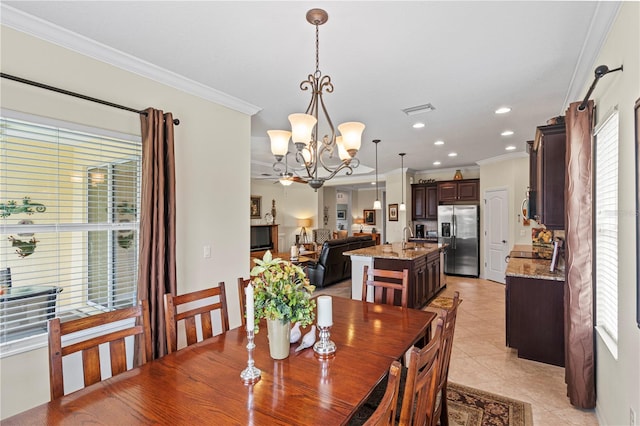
{"x": 424, "y": 262}
{"x": 534, "y": 303}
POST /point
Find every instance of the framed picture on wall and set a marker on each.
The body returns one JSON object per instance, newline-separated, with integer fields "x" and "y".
{"x": 256, "y": 200}
{"x": 342, "y": 214}
{"x": 369, "y": 217}
{"x": 393, "y": 212}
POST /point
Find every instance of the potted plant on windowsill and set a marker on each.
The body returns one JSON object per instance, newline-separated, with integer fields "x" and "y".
{"x": 282, "y": 295}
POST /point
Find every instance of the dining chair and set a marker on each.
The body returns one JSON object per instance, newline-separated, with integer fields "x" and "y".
{"x": 385, "y": 413}
{"x": 191, "y": 307}
{"x": 242, "y": 284}
{"x": 387, "y": 286}
{"x": 420, "y": 387}
{"x": 446, "y": 343}
{"x": 89, "y": 346}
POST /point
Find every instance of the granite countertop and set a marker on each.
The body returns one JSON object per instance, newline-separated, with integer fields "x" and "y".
{"x": 396, "y": 251}
{"x": 532, "y": 268}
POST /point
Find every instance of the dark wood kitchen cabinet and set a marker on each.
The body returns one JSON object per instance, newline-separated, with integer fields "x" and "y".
{"x": 459, "y": 190}
{"x": 535, "y": 318}
{"x": 424, "y": 201}
{"x": 550, "y": 148}
{"x": 533, "y": 185}
{"x": 424, "y": 276}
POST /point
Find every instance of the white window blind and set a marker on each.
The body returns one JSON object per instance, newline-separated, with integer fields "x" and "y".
{"x": 606, "y": 226}
{"x": 69, "y": 204}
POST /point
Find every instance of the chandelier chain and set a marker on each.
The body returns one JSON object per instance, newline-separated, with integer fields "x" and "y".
{"x": 318, "y": 73}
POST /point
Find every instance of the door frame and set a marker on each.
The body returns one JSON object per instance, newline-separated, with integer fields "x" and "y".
{"x": 486, "y": 220}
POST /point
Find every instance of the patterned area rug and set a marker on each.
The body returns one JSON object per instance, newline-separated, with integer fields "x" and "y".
{"x": 467, "y": 407}
{"x": 474, "y": 407}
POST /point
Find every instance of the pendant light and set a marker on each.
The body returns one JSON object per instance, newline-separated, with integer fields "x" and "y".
{"x": 377, "y": 205}
{"x": 403, "y": 207}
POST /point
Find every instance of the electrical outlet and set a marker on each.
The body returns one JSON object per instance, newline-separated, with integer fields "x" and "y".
{"x": 206, "y": 252}
{"x": 632, "y": 417}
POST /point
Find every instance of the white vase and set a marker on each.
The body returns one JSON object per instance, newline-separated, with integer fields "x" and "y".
{"x": 279, "y": 335}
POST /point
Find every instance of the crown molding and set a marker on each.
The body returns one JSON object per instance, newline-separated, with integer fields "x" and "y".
{"x": 504, "y": 157}
{"x": 601, "y": 23}
{"x": 45, "y": 30}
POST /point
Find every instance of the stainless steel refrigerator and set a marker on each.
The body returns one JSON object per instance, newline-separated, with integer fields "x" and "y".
{"x": 458, "y": 226}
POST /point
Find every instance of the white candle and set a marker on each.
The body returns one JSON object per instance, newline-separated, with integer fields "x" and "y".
{"x": 250, "y": 308}
{"x": 325, "y": 311}
{"x": 294, "y": 252}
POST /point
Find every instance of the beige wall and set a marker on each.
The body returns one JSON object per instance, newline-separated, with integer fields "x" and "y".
{"x": 212, "y": 192}
{"x": 618, "y": 381}
{"x": 510, "y": 172}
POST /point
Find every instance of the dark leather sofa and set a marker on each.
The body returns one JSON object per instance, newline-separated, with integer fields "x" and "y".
{"x": 332, "y": 266}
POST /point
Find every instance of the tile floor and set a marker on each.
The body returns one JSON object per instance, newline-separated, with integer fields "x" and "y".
{"x": 481, "y": 360}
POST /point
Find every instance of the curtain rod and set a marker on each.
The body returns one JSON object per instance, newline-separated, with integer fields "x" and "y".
{"x": 600, "y": 72}
{"x": 76, "y": 95}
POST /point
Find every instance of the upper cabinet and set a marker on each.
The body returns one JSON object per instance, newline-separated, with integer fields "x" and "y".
{"x": 424, "y": 201}
{"x": 550, "y": 148}
{"x": 459, "y": 190}
{"x": 533, "y": 177}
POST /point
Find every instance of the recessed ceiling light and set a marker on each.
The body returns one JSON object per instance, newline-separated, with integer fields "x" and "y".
{"x": 503, "y": 110}
{"x": 510, "y": 148}
{"x": 418, "y": 125}
{"x": 438, "y": 143}
{"x": 373, "y": 183}
{"x": 453, "y": 154}
{"x": 436, "y": 163}
{"x": 507, "y": 133}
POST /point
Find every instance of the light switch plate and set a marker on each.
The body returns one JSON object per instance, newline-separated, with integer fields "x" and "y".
{"x": 206, "y": 252}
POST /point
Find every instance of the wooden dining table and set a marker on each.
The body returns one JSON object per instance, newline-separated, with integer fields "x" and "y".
{"x": 201, "y": 384}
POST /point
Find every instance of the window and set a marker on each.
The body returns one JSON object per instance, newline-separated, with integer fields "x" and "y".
{"x": 69, "y": 203}
{"x": 606, "y": 230}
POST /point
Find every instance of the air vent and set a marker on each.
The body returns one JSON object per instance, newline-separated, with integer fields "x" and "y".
{"x": 420, "y": 109}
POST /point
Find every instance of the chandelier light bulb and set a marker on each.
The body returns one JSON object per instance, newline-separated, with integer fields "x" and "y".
{"x": 279, "y": 142}
{"x": 302, "y": 128}
{"x": 342, "y": 152}
{"x": 351, "y": 136}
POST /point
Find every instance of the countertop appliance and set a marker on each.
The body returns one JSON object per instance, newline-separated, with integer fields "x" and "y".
{"x": 419, "y": 231}
{"x": 458, "y": 226}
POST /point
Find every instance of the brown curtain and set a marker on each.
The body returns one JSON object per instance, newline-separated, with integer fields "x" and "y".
{"x": 578, "y": 293}
{"x": 157, "y": 263}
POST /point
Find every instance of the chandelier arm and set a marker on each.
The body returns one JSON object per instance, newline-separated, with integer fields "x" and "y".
{"x": 341, "y": 167}
{"x": 300, "y": 159}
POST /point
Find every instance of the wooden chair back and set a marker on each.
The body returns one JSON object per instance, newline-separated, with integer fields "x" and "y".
{"x": 385, "y": 414}
{"x": 242, "y": 284}
{"x": 90, "y": 346}
{"x": 388, "y": 286}
{"x": 447, "y": 346}
{"x": 173, "y": 317}
{"x": 421, "y": 384}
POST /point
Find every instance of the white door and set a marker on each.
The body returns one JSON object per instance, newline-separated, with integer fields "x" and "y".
{"x": 496, "y": 233}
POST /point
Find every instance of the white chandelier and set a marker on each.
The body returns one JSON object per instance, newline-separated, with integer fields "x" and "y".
{"x": 311, "y": 151}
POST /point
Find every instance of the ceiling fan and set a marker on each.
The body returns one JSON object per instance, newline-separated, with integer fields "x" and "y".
{"x": 285, "y": 177}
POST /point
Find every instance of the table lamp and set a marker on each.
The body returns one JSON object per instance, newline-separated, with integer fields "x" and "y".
{"x": 359, "y": 221}
{"x": 304, "y": 223}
